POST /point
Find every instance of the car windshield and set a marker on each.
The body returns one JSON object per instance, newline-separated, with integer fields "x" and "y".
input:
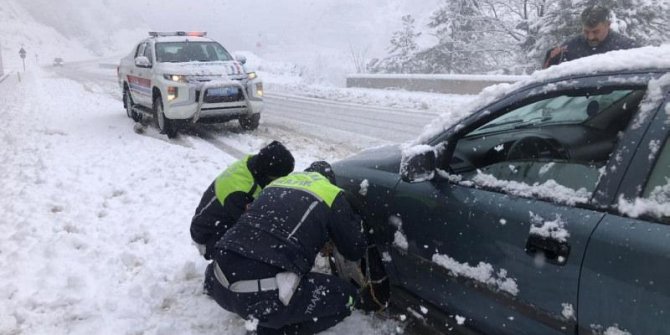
{"x": 562, "y": 109}
{"x": 179, "y": 52}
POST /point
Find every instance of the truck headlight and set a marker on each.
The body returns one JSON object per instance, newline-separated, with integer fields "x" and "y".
{"x": 252, "y": 75}
{"x": 175, "y": 77}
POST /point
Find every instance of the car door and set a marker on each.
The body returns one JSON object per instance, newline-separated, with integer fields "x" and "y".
{"x": 498, "y": 241}
{"x": 624, "y": 284}
{"x": 139, "y": 78}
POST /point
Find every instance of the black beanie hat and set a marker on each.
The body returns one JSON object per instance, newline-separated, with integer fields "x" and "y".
{"x": 274, "y": 160}
{"x": 324, "y": 169}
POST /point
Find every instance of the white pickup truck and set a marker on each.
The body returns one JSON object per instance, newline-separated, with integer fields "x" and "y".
{"x": 181, "y": 77}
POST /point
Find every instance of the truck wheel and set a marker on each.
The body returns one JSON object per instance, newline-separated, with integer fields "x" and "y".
{"x": 165, "y": 125}
{"x": 250, "y": 122}
{"x": 128, "y": 102}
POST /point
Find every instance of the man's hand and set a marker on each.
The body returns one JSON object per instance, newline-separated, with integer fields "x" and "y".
{"x": 553, "y": 56}
{"x": 327, "y": 249}
{"x": 557, "y": 51}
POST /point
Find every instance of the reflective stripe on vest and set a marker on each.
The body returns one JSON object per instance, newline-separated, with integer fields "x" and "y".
{"x": 236, "y": 178}
{"x": 312, "y": 182}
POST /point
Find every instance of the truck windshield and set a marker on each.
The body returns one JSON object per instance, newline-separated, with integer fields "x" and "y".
{"x": 179, "y": 52}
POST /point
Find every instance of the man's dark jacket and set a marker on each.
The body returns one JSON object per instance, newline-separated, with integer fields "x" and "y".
{"x": 578, "y": 47}
{"x": 292, "y": 219}
{"x": 223, "y": 203}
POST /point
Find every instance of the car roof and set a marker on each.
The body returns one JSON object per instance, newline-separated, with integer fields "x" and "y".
{"x": 645, "y": 59}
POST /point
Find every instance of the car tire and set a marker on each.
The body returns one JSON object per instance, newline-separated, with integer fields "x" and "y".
{"x": 165, "y": 126}
{"x": 250, "y": 122}
{"x": 374, "y": 295}
{"x": 128, "y": 103}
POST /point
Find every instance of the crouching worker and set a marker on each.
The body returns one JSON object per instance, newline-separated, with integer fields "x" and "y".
{"x": 261, "y": 266}
{"x": 228, "y": 196}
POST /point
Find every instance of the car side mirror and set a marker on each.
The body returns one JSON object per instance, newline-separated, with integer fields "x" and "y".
{"x": 142, "y": 61}
{"x": 241, "y": 58}
{"x": 418, "y": 164}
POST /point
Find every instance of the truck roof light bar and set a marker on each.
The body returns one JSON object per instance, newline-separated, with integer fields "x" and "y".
{"x": 177, "y": 33}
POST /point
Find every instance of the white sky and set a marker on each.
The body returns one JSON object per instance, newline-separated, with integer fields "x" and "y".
{"x": 296, "y": 30}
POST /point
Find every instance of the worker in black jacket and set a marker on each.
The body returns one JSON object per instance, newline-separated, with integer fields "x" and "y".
{"x": 261, "y": 267}
{"x": 231, "y": 192}
{"x": 596, "y": 38}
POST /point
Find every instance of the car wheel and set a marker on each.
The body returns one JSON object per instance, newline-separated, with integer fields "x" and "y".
{"x": 128, "y": 102}
{"x": 165, "y": 125}
{"x": 250, "y": 122}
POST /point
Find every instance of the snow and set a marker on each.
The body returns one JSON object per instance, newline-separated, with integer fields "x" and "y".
{"x": 460, "y": 319}
{"x": 550, "y": 189}
{"x": 483, "y": 273}
{"x": 549, "y": 229}
{"x": 568, "y": 311}
{"x": 400, "y": 241}
{"x": 364, "y": 187}
{"x": 642, "y": 206}
{"x": 615, "y": 331}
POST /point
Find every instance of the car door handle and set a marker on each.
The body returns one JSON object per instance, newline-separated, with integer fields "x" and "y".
{"x": 555, "y": 251}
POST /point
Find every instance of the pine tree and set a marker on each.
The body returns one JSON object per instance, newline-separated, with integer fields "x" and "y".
{"x": 402, "y": 49}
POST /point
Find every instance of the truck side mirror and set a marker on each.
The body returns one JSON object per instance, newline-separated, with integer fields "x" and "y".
{"x": 241, "y": 58}
{"x": 142, "y": 61}
{"x": 418, "y": 164}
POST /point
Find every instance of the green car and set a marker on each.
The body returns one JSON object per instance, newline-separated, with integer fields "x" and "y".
{"x": 545, "y": 211}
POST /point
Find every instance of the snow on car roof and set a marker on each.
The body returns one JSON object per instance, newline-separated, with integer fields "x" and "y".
{"x": 639, "y": 59}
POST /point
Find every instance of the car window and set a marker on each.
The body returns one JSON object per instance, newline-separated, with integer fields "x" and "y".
{"x": 658, "y": 185}
{"x": 555, "y": 147}
{"x": 140, "y": 50}
{"x": 147, "y": 52}
{"x": 178, "y": 52}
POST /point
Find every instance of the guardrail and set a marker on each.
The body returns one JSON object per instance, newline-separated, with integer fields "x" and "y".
{"x": 437, "y": 83}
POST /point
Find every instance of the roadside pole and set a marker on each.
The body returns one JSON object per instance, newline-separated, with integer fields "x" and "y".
{"x": 2, "y": 69}
{"x": 22, "y": 53}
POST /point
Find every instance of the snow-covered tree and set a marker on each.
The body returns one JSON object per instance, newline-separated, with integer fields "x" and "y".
{"x": 403, "y": 46}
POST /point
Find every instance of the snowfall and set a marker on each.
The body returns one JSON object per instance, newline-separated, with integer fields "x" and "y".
{"x": 94, "y": 236}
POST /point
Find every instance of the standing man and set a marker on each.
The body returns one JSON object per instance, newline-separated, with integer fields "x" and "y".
{"x": 597, "y": 37}
{"x": 233, "y": 190}
{"x": 261, "y": 266}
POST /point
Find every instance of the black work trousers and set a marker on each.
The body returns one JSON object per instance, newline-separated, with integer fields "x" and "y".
{"x": 319, "y": 302}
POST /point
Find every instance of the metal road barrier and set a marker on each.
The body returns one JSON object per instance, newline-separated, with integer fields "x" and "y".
{"x": 437, "y": 83}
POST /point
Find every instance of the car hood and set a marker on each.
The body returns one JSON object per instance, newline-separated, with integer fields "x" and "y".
{"x": 386, "y": 158}
{"x": 231, "y": 69}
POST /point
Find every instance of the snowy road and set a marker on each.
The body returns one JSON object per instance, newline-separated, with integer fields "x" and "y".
{"x": 377, "y": 123}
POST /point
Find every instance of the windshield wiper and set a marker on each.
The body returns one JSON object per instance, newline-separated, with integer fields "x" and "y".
{"x": 499, "y": 124}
